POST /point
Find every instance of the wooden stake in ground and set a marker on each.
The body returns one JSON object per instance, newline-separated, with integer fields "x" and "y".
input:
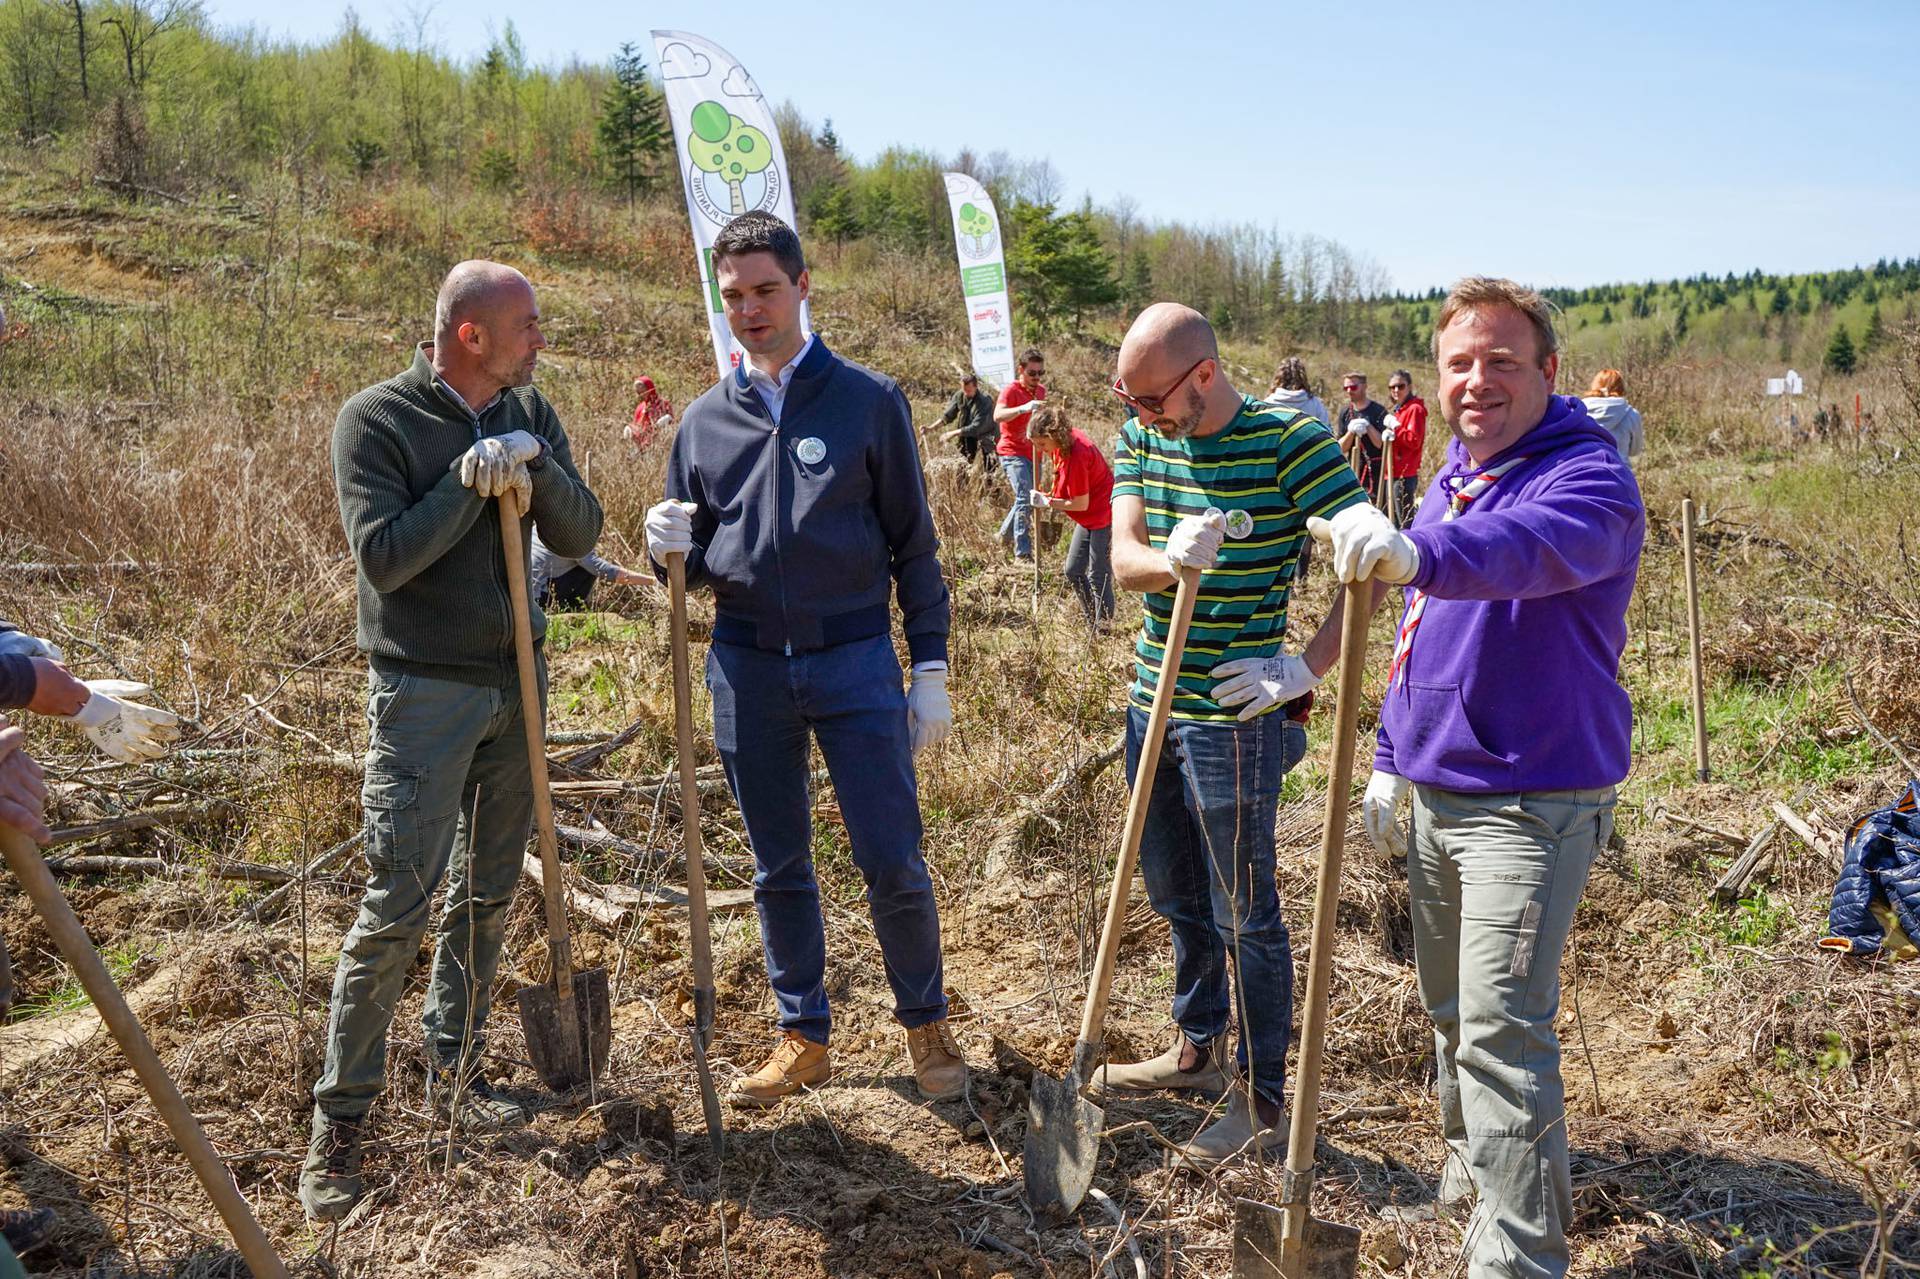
{"x": 64, "y": 927}
{"x": 1701, "y": 770}
{"x": 1033, "y": 525}
{"x": 1387, "y": 502}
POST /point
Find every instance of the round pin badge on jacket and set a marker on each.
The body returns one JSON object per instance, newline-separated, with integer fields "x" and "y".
{"x": 1239, "y": 524}
{"x": 812, "y": 450}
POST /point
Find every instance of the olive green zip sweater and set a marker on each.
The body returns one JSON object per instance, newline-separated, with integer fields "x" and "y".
{"x": 432, "y": 575}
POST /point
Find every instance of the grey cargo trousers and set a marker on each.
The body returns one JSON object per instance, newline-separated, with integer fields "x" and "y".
{"x": 1494, "y": 881}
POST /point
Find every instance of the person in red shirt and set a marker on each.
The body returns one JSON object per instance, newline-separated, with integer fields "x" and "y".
{"x": 1406, "y": 426}
{"x": 1011, "y": 411}
{"x": 1083, "y": 488}
{"x": 652, "y": 412}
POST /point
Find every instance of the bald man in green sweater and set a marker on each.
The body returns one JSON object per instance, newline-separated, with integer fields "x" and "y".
{"x": 447, "y": 792}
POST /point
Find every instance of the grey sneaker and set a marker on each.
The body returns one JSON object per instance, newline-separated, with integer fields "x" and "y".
{"x": 330, "y": 1182}
{"x": 1454, "y": 1199}
{"x": 1235, "y": 1134}
{"x": 1158, "y": 1074}
{"x": 477, "y": 1106}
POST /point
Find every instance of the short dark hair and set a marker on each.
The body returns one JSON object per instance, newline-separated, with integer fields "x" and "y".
{"x": 759, "y": 232}
{"x": 1031, "y": 354}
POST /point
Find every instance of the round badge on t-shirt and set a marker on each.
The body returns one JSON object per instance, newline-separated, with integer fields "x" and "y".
{"x": 812, "y": 450}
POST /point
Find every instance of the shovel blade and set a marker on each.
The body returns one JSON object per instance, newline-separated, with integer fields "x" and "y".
{"x": 1330, "y": 1251}
{"x": 1063, "y": 1144}
{"x": 556, "y": 1055}
{"x": 709, "y": 1099}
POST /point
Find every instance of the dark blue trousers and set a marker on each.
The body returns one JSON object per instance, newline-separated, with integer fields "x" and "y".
{"x": 1207, "y": 857}
{"x": 850, "y": 698}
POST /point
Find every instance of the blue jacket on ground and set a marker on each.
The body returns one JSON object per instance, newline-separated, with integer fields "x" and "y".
{"x": 1882, "y": 862}
{"x": 802, "y": 525}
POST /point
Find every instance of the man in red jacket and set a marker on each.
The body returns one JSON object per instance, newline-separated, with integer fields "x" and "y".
{"x": 1406, "y": 426}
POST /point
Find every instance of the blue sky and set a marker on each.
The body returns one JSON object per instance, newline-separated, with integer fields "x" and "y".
{"x": 1560, "y": 144}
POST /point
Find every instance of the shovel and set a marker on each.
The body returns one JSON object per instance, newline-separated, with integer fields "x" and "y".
{"x": 697, "y": 936}
{"x": 1063, "y": 1128}
{"x": 1287, "y": 1242}
{"x": 568, "y": 1023}
{"x": 23, "y": 859}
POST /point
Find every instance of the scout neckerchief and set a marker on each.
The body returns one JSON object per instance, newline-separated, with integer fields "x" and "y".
{"x": 1456, "y": 505}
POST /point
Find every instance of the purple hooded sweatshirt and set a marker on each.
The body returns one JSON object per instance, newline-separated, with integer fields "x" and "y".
{"x": 1512, "y": 683}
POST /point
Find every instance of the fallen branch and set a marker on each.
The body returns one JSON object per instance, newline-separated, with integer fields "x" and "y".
{"x": 1820, "y": 841}
{"x": 325, "y": 861}
{"x": 1660, "y": 812}
{"x": 174, "y": 815}
{"x": 1893, "y": 747}
{"x": 1733, "y": 885}
{"x": 593, "y": 906}
{"x": 1021, "y": 831}
{"x": 103, "y": 865}
{"x": 38, "y": 572}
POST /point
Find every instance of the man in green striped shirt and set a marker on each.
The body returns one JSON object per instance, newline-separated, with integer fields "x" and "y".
{"x": 1207, "y": 478}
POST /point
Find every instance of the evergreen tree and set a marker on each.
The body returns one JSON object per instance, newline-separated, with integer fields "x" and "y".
{"x": 1057, "y": 264}
{"x": 1803, "y": 300}
{"x": 633, "y": 131}
{"x": 1780, "y": 302}
{"x": 1606, "y": 315}
{"x": 1138, "y": 289}
{"x": 1875, "y": 335}
{"x": 1841, "y": 357}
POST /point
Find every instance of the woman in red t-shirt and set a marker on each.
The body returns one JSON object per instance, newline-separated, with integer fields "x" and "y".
{"x": 1083, "y": 488}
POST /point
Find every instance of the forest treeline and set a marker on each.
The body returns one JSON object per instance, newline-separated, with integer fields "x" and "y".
{"x": 152, "y": 95}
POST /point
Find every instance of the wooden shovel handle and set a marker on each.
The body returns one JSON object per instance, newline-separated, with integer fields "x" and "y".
{"x": 1326, "y": 904}
{"x": 1702, "y": 770}
{"x": 559, "y": 943}
{"x": 1095, "y": 1014}
{"x": 24, "y": 860}
{"x": 698, "y": 935}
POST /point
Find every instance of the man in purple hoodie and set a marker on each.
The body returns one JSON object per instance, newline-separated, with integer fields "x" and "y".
{"x": 1505, "y": 721}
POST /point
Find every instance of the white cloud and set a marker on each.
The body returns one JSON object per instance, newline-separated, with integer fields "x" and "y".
{"x": 739, "y": 84}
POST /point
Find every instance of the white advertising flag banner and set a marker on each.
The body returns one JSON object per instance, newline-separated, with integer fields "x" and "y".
{"x": 983, "y": 278}
{"x": 729, "y": 157}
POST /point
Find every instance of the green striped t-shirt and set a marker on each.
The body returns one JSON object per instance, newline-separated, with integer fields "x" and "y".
{"x": 1277, "y": 465}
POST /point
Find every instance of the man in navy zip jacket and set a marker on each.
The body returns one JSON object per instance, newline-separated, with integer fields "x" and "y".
{"x": 794, "y": 492}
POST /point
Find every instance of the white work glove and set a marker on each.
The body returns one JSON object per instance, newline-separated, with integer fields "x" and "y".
{"x": 497, "y": 463}
{"x": 669, "y": 529}
{"x": 1388, "y": 427}
{"x": 1366, "y": 544}
{"x": 21, "y": 644}
{"x": 929, "y": 713}
{"x": 126, "y": 730}
{"x": 1380, "y": 811}
{"x": 1357, "y": 426}
{"x": 1262, "y": 682}
{"x": 1195, "y": 541}
{"x": 1038, "y": 499}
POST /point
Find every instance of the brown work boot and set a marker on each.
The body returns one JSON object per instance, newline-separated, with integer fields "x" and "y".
{"x": 938, "y": 1067}
{"x": 1186, "y": 1065}
{"x": 330, "y": 1183}
{"x": 1242, "y": 1131}
{"x": 797, "y": 1063}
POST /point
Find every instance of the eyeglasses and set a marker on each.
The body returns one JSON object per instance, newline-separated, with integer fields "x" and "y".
{"x": 1397, "y": 386}
{"x": 1034, "y": 372}
{"x": 1155, "y": 404}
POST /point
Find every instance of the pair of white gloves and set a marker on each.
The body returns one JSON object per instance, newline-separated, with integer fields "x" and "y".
{"x": 128, "y": 730}
{"x": 1364, "y": 542}
{"x": 498, "y": 463}
{"x": 669, "y": 528}
{"x": 1388, "y": 425}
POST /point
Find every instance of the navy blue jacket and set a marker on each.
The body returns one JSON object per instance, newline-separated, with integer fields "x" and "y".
{"x": 801, "y": 554}
{"x": 1882, "y": 861}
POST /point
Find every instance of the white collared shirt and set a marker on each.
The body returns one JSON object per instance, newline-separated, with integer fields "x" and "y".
{"x": 773, "y": 390}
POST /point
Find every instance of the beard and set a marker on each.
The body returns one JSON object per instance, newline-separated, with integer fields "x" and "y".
{"x": 1183, "y": 426}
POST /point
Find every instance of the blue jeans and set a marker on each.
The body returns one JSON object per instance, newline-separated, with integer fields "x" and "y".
{"x": 1207, "y": 857}
{"x": 850, "y": 698}
{"x": 1019, "y": 473}
{"x": 447, "y": 796}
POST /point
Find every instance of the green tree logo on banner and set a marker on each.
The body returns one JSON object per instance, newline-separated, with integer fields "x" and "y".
{"x": 976, "y": 224}
{"x": 725, "y": 145}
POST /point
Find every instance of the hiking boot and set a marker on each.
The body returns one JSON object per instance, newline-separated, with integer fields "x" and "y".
{"x": 26, "y": 1228}
{"x": 1235, "y": 1134}
{"x": 938, "y": 1067}
{"x": 330, "y": 1182}
{"x": 1454, "y": 1199}
{"x": 797, "y": 1062}
{"x": 1185, "y": 1065}
{"x": 476, "y": 1106}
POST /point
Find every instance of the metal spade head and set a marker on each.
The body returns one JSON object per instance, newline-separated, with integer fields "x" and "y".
{"x": 1063, "y": 1144}
{"x": 555, "y": 1054}
{"x": 700, "y": 1032}
{"x": 1330, "y": 1251}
